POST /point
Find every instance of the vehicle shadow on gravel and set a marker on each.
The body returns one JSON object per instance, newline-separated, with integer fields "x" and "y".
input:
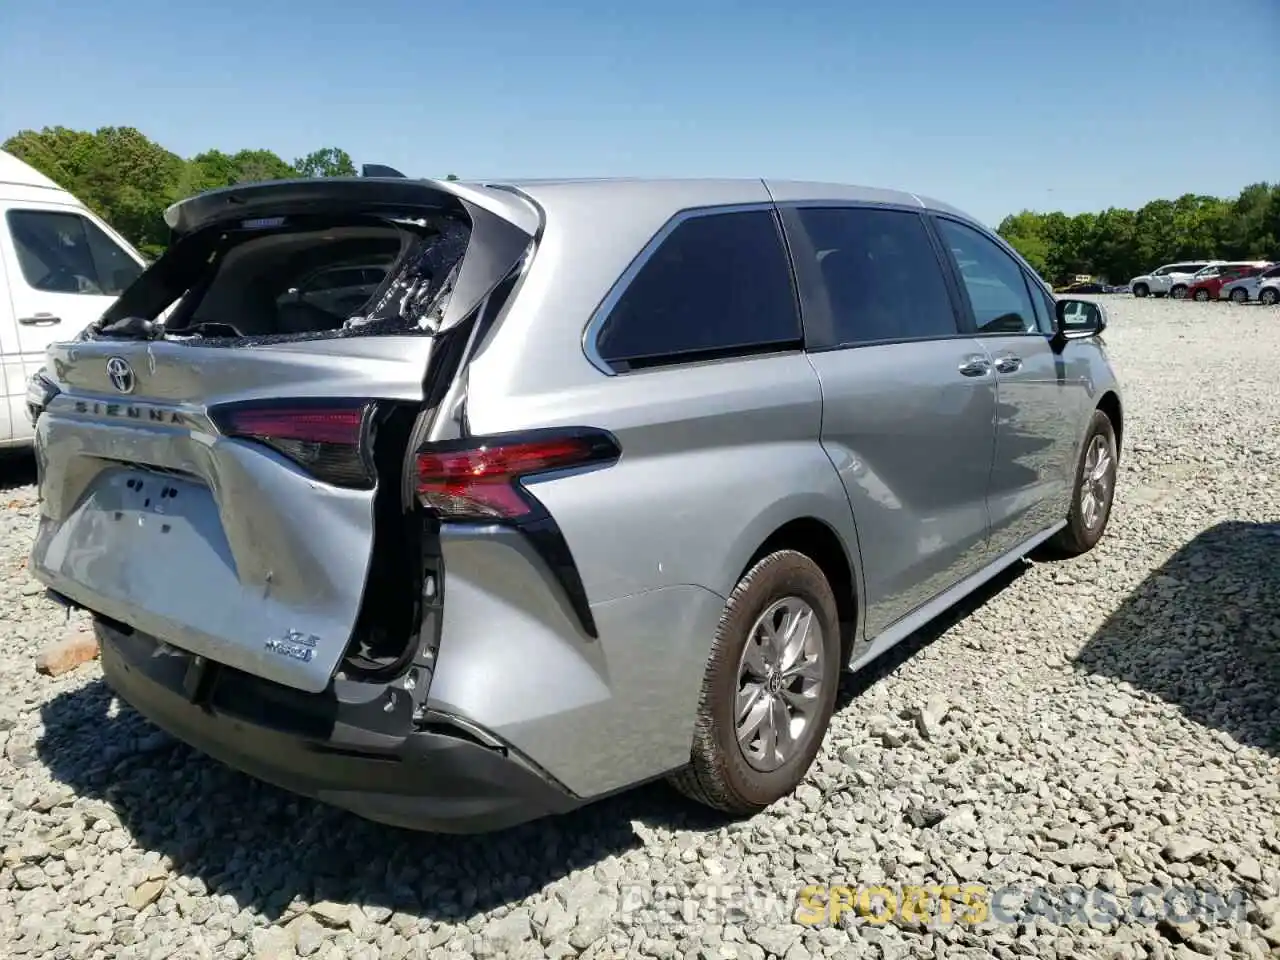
{"x": 1202, "y": 633}
{"x": 265, "y": 847}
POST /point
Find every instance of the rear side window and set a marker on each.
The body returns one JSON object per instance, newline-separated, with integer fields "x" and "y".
{"x": 881, "y": 273}
{"x": 68, "y": 253}
{"x": 995, "y": 283}
{"x": 718, "y": 285}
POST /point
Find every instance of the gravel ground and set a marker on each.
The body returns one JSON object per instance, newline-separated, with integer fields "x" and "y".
{"x": 1108, "y": 725}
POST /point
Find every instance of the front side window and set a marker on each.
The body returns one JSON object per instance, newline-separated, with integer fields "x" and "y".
{"x": 67, "y": 253}
{"x": 994, "y": 281}
{"x": 718, "y": 285}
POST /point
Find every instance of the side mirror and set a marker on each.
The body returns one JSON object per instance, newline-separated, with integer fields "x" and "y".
{"x": 1079, "y": 319}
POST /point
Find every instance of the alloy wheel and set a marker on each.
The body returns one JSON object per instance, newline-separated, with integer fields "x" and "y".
{"x": 779, "y": 680}
{"x": 1095, "y": 482}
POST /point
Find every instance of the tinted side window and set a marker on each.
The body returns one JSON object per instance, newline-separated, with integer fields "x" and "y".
{"x": 993, "y": 280}
{"x": 718, "y": 284}
{"x": 882, "y": 275}
{"x": 1271, "y": 272}
{"x": 54, "y": 253}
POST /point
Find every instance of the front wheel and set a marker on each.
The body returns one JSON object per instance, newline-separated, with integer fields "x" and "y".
{"x": 1239, "y": 295}
{"x": 1269, "y": 297}
{"x": 769, "y": 689}
{"x": 1093, "y": 493}
{"x": 1202, "y": 296}
{"x": 1141, "y": 290}
{"x": 1178, "y": 293}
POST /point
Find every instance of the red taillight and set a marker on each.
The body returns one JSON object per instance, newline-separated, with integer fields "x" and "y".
{"x": 327, "y": 441}
{"x": 480, "y": 480}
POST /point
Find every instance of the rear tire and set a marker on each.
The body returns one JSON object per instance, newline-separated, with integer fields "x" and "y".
{"x": 1178, "y": 293}
{"x": 1095, "y": 476}
{"x": 1141, "y": 290}
{"x": 734, "y": 768}
{"x": 1269, "y": 297}
{"x": 1202, "y": 296}
{"x": 1239, "y": 295}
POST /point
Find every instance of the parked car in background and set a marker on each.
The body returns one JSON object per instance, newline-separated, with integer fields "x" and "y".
{"x": 1246, "y": 288}
{"x": 575, "y": 500}
{"x": 1207, "y": 284}
{"x": 1158, "y": 282}
{"x": 60, "y": 268}
{"x": 1086, "y": 286}
{"x": 1269, "y": 292}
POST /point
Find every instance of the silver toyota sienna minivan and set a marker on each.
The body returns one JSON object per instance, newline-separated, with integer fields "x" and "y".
{"x": 575, "y": 485}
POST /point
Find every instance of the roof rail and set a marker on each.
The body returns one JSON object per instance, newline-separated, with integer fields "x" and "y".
{"x": 379, "y": 170}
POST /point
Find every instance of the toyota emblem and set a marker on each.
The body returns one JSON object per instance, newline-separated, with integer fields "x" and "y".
{"x": 120, "y": 374}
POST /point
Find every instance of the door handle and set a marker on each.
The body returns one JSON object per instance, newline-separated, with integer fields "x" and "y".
{"x": 39, "y": 320}
{"x": 1008, "y": 363}
{"x": 975, "y": 365}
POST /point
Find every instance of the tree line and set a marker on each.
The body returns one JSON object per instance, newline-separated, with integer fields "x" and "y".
{"x": 1117, "y": 244}
{"x": 129, "y": 180}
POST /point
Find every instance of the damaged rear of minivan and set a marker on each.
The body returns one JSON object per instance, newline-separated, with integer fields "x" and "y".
{"x": 229, "y": 475}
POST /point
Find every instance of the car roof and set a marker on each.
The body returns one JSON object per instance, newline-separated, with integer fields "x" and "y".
{"x": 682, "y": 193}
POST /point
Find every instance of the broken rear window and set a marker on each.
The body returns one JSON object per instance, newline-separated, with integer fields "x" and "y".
{"x": 283, "y": 278}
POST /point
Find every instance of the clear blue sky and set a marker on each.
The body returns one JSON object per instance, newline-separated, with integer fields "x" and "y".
{"x": 992, "y": 105}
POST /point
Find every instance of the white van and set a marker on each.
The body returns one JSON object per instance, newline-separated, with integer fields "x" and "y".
{"x": 60, "y": 268}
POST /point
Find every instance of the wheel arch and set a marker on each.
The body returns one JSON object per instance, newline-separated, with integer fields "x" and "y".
{"x": 1109, "y": 403}
{"x": 818, "y": 540}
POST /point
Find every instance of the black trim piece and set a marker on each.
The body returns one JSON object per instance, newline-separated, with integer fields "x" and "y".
{"x": 548, "y": 540}
{"x": 688, "y": 358}
{"x": 538, "y": 526}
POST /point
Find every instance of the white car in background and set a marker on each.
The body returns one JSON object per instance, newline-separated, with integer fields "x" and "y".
{"x": 1269, "y": 292}
{"x": 61, "y": 266}
{"x": 1160, "y": 281}
{"x": 1246, "y": 288}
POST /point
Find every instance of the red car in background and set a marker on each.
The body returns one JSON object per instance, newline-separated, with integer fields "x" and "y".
{"x": 1206, "y": 284}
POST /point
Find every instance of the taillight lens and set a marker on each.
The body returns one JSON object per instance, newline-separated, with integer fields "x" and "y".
{"x": 326, "y": 440}
{"x": 479, "y": 479}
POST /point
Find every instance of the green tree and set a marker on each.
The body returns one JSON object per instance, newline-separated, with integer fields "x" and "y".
{"x": 326, "y": 162}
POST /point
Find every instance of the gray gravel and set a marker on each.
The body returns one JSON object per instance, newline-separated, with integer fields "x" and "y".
{"x": 1111, "y": 723}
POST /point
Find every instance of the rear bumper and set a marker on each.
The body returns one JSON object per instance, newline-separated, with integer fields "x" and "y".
{"x": 440, "y": 780}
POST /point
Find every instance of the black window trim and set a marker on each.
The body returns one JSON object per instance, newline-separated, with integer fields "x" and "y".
{"x": 811, "y": 287}
{"x": 591, "y": 332}
{"x": 971, "y": 318}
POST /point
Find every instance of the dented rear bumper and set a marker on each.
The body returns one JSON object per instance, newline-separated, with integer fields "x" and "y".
{"x": 354, "y": 745}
